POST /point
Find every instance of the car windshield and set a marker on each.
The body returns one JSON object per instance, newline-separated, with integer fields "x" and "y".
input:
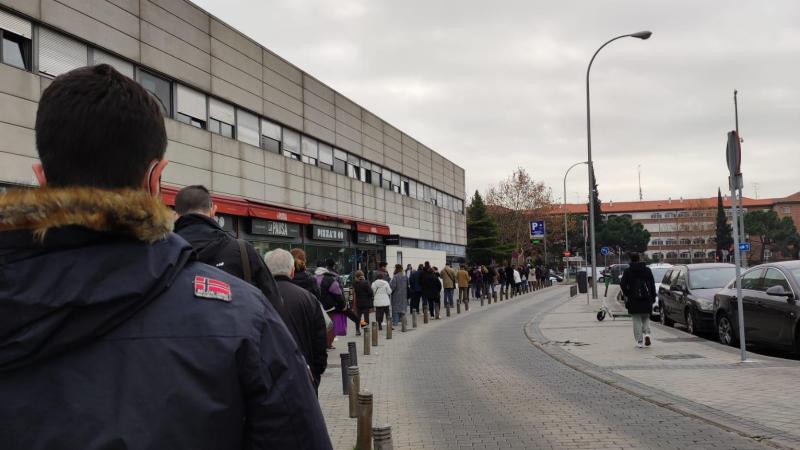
{"x": 796, "y": 274}
{"x": 711, "y": 278}
{"x": 658, "y": 273}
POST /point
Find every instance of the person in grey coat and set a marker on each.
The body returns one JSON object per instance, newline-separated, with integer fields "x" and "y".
{"x": 399, "y": 285}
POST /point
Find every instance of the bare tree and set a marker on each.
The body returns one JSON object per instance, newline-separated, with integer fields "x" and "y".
{"x": 514, "y": 202}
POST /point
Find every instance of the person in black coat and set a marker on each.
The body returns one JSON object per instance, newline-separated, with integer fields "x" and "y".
{"x": 431, "y": 289}
{"x": 308, "y": 325}
{"x": 302, "y": 277}
{"x": 639, "y": 288}
{"x": 215, "y": 247}
{"x": 112, "y": 334}
{"x": 364, "y": 296}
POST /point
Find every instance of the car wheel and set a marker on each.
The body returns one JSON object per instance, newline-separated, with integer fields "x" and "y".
{"x": 691, "y": 326}
{"x": 725, "y": 331}
{"x": 664, "y": 319}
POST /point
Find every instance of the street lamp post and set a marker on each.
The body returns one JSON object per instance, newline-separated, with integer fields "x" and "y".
{"x": 640, "y": 35}
{"x": 566, "y": 230}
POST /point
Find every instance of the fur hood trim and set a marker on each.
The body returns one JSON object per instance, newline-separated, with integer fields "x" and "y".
{"x": 126, "y": 211}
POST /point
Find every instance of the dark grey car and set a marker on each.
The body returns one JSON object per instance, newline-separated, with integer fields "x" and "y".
{"x": 771, "y": 309}
{"x": 687, "y": 293}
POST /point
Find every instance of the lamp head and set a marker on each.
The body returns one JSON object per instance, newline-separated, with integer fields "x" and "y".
{"x": 642, "y": 35}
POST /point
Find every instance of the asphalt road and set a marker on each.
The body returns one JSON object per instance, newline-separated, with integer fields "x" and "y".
{"x": 478, "y": 382}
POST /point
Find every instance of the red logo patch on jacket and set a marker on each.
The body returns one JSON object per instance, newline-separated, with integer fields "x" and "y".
{"x": 205, "y": 287}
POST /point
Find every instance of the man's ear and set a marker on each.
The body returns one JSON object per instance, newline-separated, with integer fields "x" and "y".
{"x": 152, "y": 179}
{"x": 38, "y": 170}
{"x": 213, "y": 212}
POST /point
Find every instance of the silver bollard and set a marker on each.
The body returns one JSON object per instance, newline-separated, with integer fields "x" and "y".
{"x": 413, "y": 319}
{"x": 351, "y": 348}
{"x": 374, "y": 334}
{"x": 367, "y": 340}
{"x": 403, "y": 324}
{"x": 388, "y": 329}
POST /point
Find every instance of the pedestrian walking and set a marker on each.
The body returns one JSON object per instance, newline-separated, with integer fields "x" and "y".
{"x": 517, "y": 281}
{"x": 362, "y": 291}
{"x": 431, "y": 288}
{"x": 382, "y": 299}
{"x": 639, "y": 289}
{"x": 509, "y": 280}
{"x": 448, "y": 276}
{"x": 302, "y": 277}
{"x": 309, "y": 330}
{"x": 463, "y": 285}
{"x": 331, "y": 295}
{"x": 399, "y": 286}
{"x": 493, "y": 281}
{"x": 113, "y": 334}
{"x": 477, "y": 282}
{"x": 415, "y": 284}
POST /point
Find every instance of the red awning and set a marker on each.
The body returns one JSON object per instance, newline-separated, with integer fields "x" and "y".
{"x": 370, "y": 228}
{"x": 266, "y": 212}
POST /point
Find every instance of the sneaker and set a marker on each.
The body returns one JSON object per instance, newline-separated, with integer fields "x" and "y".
{"x": 363, "y": 323}
{"x": 647, "y": 341}
{"x": 639, "y": 345}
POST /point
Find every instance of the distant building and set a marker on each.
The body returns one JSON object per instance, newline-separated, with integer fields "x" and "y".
{"x": 684, "y": 230}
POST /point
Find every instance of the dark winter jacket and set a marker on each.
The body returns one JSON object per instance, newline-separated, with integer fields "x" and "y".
{"x": 307, "y": 281}
{"x": 509, "y": 274}
{"x": 215, "y": 247}
{"x": 112, "y": 336}
{"x": 414, "y": 281}
{"x": 364, "y": 296}
{"x": 635, "y": 276}
{"x": 431, "y": 285}
{"x": 311, "y": 334}
{"x": 331, "y": 295}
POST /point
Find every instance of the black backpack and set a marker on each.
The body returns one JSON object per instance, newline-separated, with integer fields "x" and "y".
{"x": 639, "y": 290}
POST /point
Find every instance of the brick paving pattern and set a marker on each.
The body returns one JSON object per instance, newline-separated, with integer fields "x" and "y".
{"x": 475, "y": 381}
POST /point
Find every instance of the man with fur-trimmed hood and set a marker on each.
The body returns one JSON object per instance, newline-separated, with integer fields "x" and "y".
{"x": 111, "y": 334}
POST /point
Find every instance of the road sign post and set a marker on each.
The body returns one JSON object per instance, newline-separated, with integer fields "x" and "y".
{"x": 538, "y": 232}
{"x": 733, "y": 155}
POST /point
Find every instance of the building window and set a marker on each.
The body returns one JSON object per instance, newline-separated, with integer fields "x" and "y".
{"x": 684, "y": 255}
{"x": 787, "y": 210}
{"x": 310, "y": 149}
{"x": 191, "y": 107}
{"x": 290, "y": 146}
{"x": 396, "y": 182}
{"x": 325, "y": 156}
{"x": 658, "y": 256}
{"x": 59, "y": 54}
{"x": 685, "y": 241}
{"x": 672, "y": 255}
{"x": 712, "y": 255}
{"x": 99, "y": 57}
{"x": 376, "y": 175}
{"x": 655, "y": 216}
{"x": 670, "y": 242}
{"x": 247, "y": 127}
{"x": 270, "y": 136}
{"x": 669, "y": 215}
{"x": 159, "y": 88}
{"x": 339, "y": 162}
{"x": 683, "y": 214}
{"x": 657, "y": 242}
{"x": 698, "y": 241}
{"x": 404, "y": 187}
{"x": 387, "y": 179}
{"x": 221, "y": 118}
{"x": 15, "y": 33}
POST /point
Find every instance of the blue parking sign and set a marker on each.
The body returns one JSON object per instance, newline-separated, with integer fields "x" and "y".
{"x": 537, "y": 229}
{"x": 604, "y": 250}
{"x": 744, "y": 246}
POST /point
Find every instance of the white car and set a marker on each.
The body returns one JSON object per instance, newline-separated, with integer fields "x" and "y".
{"x": 658, "y": 269}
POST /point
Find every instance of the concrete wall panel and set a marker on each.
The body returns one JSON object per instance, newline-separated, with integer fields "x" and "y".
{"x": 89, "y": 28}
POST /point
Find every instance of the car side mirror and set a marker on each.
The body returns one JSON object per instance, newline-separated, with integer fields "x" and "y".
{"x": 779, "y": 291}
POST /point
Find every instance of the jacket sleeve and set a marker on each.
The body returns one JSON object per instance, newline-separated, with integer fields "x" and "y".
{"x": 281, "y": 408}
{"x": 651, "y": 285}
{"x": 319, "y": 341}
{"x": 624, "y": 283}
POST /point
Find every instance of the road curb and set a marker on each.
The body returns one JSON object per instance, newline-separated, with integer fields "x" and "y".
{"x": 762, "y": 434}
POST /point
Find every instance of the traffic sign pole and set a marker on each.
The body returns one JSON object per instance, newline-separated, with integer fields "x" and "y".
{"x": 735, "y": 182}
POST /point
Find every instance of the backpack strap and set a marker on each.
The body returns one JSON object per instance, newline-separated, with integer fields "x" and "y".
{"x": 248, "y": 277}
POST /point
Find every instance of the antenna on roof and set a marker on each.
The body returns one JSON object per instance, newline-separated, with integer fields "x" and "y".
{"x": 640, "y": 182}
{"x": 755, "y": 190}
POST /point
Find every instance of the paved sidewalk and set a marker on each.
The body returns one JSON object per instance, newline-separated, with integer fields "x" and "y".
{"x": 685, "y": 373}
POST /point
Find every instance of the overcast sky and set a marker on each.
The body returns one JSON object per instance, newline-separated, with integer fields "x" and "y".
{"x": 496, "y": 85}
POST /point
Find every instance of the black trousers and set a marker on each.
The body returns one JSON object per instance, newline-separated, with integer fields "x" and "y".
{"x": 380, "y": 311}
{"x": 415, "y": 299}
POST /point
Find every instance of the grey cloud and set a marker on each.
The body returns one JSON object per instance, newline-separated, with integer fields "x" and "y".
{"x": 496, "y": 85}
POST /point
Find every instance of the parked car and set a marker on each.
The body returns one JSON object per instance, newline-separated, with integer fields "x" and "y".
{"x": 687, "y": 291}
{"x": 770, "y": 294}
{"x": 659, "y": 270}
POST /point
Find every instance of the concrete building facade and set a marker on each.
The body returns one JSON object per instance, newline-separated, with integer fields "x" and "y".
{"x": 286, "y": 156}
{"x": 684, "y": 230}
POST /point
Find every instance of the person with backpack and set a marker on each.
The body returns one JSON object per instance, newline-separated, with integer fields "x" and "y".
{"x": 639, "y": 289}
{"x": 382, "y": 300}
{"x": 331, "y": 294}
{"x": 448, "y": 276}
{"x": 364, "y": 299}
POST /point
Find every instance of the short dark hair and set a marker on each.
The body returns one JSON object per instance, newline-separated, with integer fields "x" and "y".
{"x": 194, "y": 198}
{"x": 96, "y": 127}
{"x": 383, "y": 264}
{"x": 634, "y": 257}
{"x": 330, "y": 263}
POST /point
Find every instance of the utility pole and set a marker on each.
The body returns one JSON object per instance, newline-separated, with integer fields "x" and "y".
{"x": 640, "y": 183}
{"x": 741, "y": 198}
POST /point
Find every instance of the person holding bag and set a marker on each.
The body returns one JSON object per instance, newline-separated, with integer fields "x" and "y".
{"x": 382, "y": 299}
{"x": 364, "y": 300}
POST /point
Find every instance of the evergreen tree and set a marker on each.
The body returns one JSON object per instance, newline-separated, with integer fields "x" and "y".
{"x": 724, "y": 231}
{"x": 598, "y": 218}
{"x": 482, "y": 245}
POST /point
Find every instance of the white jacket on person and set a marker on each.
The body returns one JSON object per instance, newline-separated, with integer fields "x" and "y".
{"x": 382, "y": 292}
{"x": 517, "y": 278}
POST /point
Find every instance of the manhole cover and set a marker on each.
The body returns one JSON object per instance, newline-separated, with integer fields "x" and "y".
{"x": 680, "y": 339}
{"x": 679, "y": 356}
{"x": 566, "y": 343}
